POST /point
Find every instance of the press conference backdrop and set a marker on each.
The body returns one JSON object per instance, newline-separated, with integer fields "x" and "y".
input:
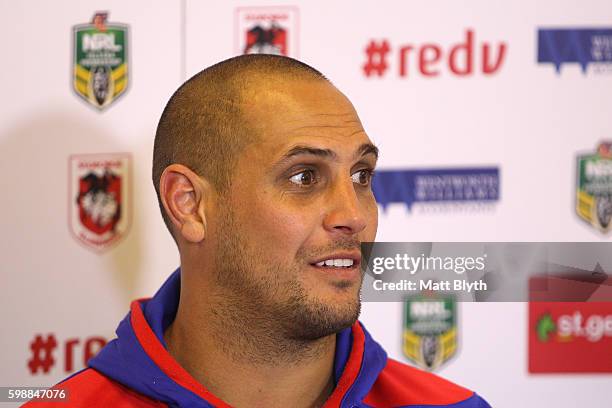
{"x": 483, "y": 107}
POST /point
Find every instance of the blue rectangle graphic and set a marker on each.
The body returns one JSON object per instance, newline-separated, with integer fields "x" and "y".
{"x": 436, "y": 185}
{"x": 574, "y": 45}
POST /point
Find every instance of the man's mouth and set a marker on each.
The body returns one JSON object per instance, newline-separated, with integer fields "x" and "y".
{"x": 336, "y": 263}
{"x": 345, "y": 260}
{"x": 339, "y": 266}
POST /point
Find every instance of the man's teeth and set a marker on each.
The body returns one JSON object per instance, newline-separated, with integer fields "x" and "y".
{"x": 336, "y": 263}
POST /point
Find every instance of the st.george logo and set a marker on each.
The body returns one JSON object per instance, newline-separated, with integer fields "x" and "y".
{"x": 266, "y": 40}
{"x": 100, "y": 66}
{"x": 267, "y": 30}
{"x": 99, "y": 199}
{"x": 570, "y": 337}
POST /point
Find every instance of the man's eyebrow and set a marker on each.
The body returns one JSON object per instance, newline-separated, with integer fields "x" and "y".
{"x": 364, "y": 149}
{"x": 314, "y": 151}
{"x": 367, "y": 148}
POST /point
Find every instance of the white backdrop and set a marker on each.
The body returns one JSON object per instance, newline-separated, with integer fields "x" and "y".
{"x": 525, "y": 118}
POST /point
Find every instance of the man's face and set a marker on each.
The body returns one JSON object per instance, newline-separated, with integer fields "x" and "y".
{"x": 300, "y": 196}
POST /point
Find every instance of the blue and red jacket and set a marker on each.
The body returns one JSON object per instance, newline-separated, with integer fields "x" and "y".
{"x": 136, "y": 370}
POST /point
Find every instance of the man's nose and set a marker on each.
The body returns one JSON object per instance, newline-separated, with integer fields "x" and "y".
{"x": 345, "y": 213}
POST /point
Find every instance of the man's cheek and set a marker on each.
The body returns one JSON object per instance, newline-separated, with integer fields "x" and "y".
{"x": 275, "y": 228}
{"x": 372, "y": 218}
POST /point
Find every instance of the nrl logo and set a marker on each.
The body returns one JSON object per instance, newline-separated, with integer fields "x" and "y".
{"x": 430, "y": 330}
{"x": 100, "y": 66}
{"x": 594, "y": 188}
{"x": 99, "y": 199}
{"x": 267, "y": 30}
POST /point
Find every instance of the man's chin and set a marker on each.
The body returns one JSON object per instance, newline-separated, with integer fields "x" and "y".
{"x": 319, "y": 320}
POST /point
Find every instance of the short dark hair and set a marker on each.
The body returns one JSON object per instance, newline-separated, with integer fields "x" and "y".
{"x": 202, "y": 126}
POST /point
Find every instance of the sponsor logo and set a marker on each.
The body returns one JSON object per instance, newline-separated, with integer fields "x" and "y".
{"x": 594, "y": 187}
{"x": 99, "y": 199}
{"x": 570, "y": 337}
{"x": 463, "y": 59}
{"x": 430, "y": 330}
{"x": 436, "y": 186}
{"x": 582, "y": 46}
{"x": 43, "y": 358}
{"x": 100, "y": 66}
{"x": 571, "y": 327}
{"x": 267, "y": 30}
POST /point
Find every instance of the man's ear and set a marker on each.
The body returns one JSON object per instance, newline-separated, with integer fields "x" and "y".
{"x": 183, "y": 195}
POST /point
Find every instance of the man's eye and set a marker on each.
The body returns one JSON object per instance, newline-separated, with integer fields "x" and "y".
{"x": 362, "y": 177}
{"x": 303, "y": 178}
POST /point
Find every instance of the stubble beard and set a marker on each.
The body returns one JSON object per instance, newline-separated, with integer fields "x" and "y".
{"x": 266, "y": 305}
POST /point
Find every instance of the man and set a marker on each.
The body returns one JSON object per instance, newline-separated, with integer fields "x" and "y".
{"x": 263, "y": 173}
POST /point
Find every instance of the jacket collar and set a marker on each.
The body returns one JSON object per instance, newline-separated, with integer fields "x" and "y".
{"x": 138, "y": 358}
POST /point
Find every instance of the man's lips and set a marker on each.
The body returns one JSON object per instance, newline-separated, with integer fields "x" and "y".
{"x": 338, "y": 260}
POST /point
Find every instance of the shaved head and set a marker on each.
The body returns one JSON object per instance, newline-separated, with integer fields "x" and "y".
{"x": 264, "y": 171}
{"x": 203, "y": 125}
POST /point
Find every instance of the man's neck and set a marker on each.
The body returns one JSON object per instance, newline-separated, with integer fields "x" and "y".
{"x": 248, "y": 364}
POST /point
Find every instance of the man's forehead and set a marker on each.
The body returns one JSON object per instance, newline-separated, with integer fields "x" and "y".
{"x": 299, "y": 108}
{"x": 293, "y": 98}
{"x": 340, "y": 133}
